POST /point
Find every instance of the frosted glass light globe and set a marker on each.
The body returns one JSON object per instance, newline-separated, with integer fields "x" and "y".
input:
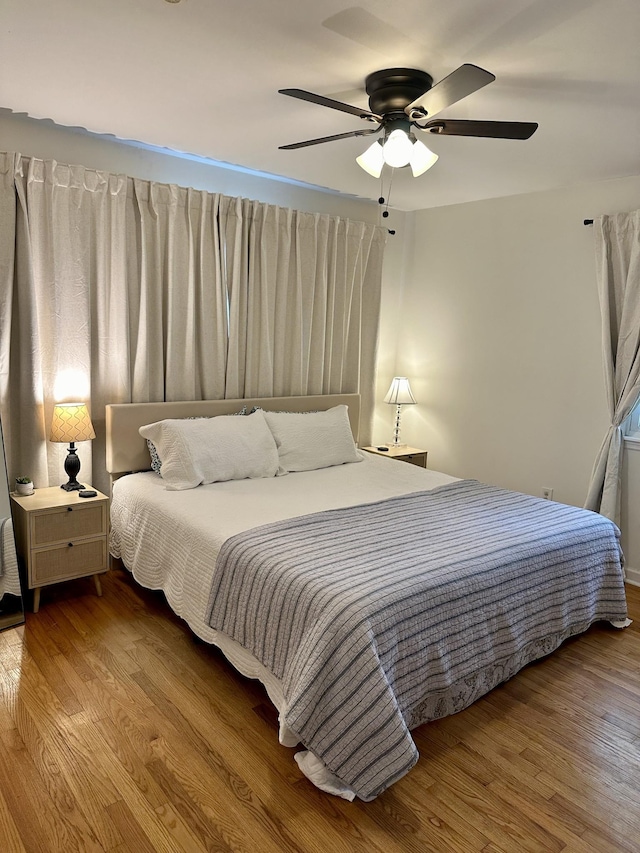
{"x": 397, "y": 149}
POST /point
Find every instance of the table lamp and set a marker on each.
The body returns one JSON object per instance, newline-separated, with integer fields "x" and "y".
{"x": 398, "y": 395}
{"x": 71, "y": 423}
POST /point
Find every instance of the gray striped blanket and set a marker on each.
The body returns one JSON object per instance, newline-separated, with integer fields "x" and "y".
{"x": 379, "y": 617}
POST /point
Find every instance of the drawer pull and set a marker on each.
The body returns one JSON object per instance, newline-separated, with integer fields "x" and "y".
{"x": 69, "y": 509}
{"x": 70, "y": 544}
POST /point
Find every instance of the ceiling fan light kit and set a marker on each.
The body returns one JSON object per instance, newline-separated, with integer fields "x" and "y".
{"x": 404, "y": 99}
{"x": 397, "y": 152}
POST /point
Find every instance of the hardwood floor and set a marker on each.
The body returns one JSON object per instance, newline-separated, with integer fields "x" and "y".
{"x": 120, "y": 732}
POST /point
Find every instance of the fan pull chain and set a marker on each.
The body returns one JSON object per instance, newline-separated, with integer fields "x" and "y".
{"x": 382, "y": 200}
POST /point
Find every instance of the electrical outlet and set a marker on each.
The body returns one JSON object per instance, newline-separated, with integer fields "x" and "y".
{"x": 547, "y": 493}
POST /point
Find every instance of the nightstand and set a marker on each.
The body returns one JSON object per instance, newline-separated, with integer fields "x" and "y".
{"x": 403, "y": 453}
{"x": 60, "y": 536}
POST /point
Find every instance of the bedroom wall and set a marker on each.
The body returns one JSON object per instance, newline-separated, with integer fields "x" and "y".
{"x": 500, "y": 336}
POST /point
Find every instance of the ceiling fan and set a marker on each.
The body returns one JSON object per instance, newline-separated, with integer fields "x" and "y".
{"x": 402, "y": 100}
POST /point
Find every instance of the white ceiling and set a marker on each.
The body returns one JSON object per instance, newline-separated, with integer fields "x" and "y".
{"x": 201, "y": 76}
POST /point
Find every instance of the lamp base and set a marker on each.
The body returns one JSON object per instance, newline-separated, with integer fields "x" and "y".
{"x": 72, "y": 486}
{"x": 72, "y": 469}
{"x": 396, "y": 432}
{"x": 394, "y": 444}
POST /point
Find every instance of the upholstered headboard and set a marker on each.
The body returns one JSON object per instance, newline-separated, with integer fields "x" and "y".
{"x": 127, "y": 450}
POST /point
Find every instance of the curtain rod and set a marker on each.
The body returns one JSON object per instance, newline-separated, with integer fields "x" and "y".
{"x": 588, "y": 222}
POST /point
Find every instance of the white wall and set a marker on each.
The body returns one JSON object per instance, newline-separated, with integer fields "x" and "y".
{"x": 500, "y": 336}
{"x": 394, "y": 285}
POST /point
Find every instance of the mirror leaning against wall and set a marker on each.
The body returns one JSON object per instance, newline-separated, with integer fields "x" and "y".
{"x": 11, "y": 608}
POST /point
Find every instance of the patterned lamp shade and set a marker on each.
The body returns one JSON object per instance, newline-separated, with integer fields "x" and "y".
{"x": 71, "y": 423}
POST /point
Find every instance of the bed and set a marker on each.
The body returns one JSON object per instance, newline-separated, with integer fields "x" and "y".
{"x": 368, "y": 596}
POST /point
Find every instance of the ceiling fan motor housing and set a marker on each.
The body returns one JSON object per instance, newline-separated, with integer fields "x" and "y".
{"x": 392, "y": 89}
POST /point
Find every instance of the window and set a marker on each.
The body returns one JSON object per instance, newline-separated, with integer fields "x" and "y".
{"x": 632, "y": 424}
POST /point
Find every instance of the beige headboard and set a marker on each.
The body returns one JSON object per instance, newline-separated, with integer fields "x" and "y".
{"x": 127, "y": 450}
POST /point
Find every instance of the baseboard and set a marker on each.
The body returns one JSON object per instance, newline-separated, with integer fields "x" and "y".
{"x": 632, "y": 576}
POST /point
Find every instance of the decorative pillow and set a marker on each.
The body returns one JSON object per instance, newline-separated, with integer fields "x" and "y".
{"x": 156, "y": 462}
{"x": 311, "y": 440}
{"x": 211, "y": 450}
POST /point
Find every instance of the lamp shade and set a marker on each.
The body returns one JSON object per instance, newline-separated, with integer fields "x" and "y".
{"x": 71, "y": 423}
{"x": 399, "y": 393}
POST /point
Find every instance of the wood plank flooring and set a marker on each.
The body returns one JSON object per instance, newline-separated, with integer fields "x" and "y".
{"x": 121, "y": 732}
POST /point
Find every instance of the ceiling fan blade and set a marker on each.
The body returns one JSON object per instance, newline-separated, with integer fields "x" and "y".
{"x": 366, "y": 132}
{"x": 462, "y": 82}
{"x": 329, "y": 102}
{"x": 492, "y": 129}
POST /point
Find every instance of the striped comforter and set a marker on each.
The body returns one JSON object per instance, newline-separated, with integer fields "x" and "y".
{"x": 382, "y": 616}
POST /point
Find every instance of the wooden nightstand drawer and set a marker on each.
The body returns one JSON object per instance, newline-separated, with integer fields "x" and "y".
{"x": 401, "y": 453}
{"x": 71, "y": 560}
{"x": 66, "y": 523}
{"x": 419, "y": 459}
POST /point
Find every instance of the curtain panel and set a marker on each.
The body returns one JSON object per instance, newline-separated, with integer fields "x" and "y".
{"x": 618, "y": 273}
{"x": 114, "y": 289}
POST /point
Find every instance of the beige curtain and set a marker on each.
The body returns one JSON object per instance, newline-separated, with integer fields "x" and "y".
{"x": 115, "y": 290}
{"x": 618, "y": 270}
{"x": 304, "y": 304}
{"x": 176, "y": 294}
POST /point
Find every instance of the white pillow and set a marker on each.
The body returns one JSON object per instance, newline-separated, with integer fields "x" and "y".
{"x": 311, "y": 440}
{"x": 211, "y": 450}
